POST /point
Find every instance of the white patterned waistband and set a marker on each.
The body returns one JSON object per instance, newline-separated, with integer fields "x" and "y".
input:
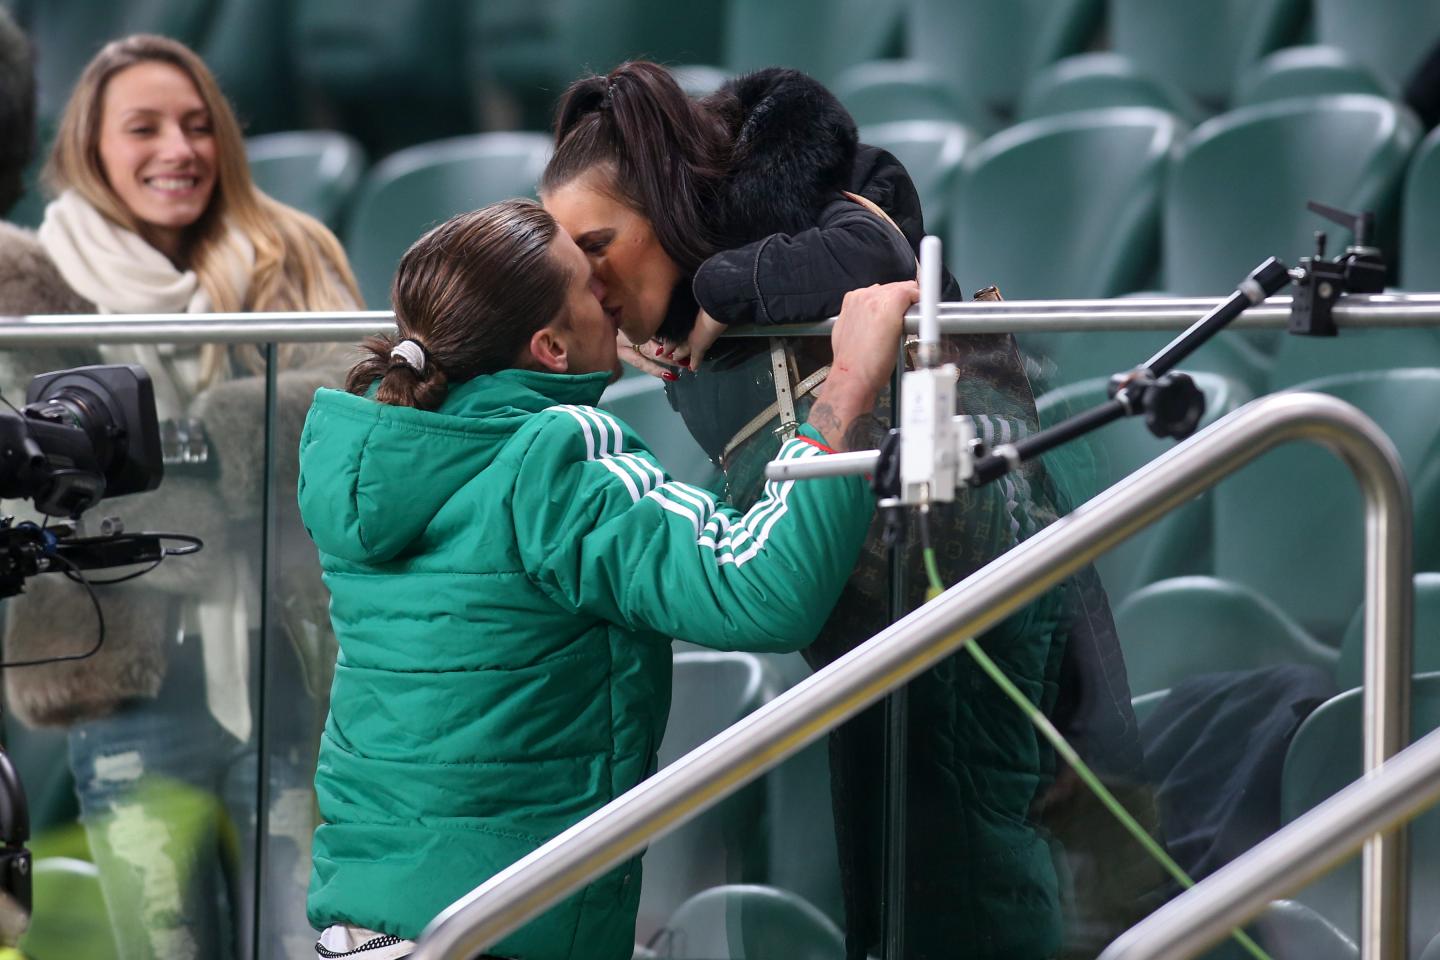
{"x": 344, "y": 940}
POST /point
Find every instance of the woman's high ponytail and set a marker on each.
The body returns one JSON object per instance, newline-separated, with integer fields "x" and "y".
{"x": 668, "y": 155}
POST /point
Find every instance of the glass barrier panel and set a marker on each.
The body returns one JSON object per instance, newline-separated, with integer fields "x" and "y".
{"x": 299, "y": 652}
{"x": 142, "y": 760}
{"x": 1230, "y": 629}
{"x": 758, "y": 875}
{"x": 171, "y": 776}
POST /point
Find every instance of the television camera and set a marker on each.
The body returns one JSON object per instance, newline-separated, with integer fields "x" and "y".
{"x": 84, "y": 434}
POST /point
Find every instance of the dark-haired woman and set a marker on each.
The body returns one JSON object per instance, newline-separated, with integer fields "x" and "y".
{"x": 758, "y": 205}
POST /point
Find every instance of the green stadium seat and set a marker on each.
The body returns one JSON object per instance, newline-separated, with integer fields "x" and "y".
{"x": 931, "y": 151}
{"x": 887, "y": 91}
{"x": 245, "y": 48}
{"x": 514, "y": 60}
{"x": 1350, "y": 670}
{"x": 1186, "y": 626}
{"x": 1145, "y": 703}
{"x": 1298, "y": 359}
{"x": 1290, "y": 525}
{"x": 1176, "y": 545}
{"x": 749, "y": 922}
{"x": 1324, "y": 757}
{"x": 1017, "y": 223}
{"x": 820, "y": 37}
{"x": 640, "y": 402}
{"x": 312, "y": 170}
{"x": 711, "y": 691}
{"x": 699, "y": 79}
{"x": 41, "y": 758}
{"x": 1305, "y": 358}
{"x": 520, "y": 55}
{"x": 389, "y": 73}
{"x": 1391, "y": 37}
{"x": 1202, "y": 48}
{"x": 29, "y": 210}
{"x": 1310, "y": 71}
{"x": 1290, "y": 931}
{"x": 992, "y": 49}
{"x": 1420, "y": 225}
{"x": 70, "y": 917}
{"x": 1069, "y": 357}
{"x": 1238, "y": 191}
{"x": 1089, "y": 81}
{"x": 804, "y": 858}
{"x": 415, "y": 189}
{"x": 66, "y": 34}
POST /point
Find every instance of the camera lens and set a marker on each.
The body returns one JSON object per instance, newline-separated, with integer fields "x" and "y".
{"x": 79, "y": 407}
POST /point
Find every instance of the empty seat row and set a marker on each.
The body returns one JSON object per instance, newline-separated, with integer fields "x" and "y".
{"x": 1092, "y": 204}
{"x": 777, "y": 831}
{"x": 406, "y": 71}
{"x": 1289, "y": 526}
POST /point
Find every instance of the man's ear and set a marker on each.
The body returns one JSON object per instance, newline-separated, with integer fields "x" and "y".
{"x": 551, "y": 352}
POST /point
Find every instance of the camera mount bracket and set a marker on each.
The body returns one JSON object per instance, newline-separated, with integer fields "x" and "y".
{"x": 1320, "y": 282}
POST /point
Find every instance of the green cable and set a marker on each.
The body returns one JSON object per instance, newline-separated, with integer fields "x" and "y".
{"x": 1067, "y": 752}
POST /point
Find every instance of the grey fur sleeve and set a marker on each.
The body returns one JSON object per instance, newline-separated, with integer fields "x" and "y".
{"x": 54, "y": 617}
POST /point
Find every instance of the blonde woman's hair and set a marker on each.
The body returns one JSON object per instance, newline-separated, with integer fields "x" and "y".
{"x": 299, "y": 265}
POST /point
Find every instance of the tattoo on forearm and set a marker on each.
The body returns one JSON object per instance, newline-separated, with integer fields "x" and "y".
{"x": 864, "y": 433}
{"x": 822, "y": 417}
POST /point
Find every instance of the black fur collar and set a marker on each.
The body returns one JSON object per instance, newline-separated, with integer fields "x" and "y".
{"x": 794, "y": 150}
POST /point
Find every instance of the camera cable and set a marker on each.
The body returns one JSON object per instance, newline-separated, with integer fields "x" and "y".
{"x": 1060, "y": 745}
{"x": 74, "y": 573}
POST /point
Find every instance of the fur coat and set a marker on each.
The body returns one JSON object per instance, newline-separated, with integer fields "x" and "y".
{"x": 224, "y": 507}
{"x": 54, "y": 616}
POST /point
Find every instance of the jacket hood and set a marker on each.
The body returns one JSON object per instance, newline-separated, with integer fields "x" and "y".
{"x": 373, "y": 475}
{"x": 794, "y": 150}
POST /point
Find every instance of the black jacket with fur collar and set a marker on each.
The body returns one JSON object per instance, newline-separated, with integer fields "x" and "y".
{"x": 795, "y": 244}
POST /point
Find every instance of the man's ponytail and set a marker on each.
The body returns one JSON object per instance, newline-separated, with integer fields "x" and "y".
{"x": 401, "y": 384}
{"x": 468, "y": 296}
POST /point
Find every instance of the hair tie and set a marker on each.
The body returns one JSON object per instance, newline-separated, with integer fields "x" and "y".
{"x": 412, "y": 353}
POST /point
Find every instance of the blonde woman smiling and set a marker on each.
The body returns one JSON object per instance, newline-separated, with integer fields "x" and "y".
{"x": 155, "y": 212}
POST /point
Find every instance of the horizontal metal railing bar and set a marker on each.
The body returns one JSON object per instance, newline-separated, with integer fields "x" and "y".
{"x": 825, "y": 700}
{"x": 1357, "y": 311}
{"x": 182, "y": 328}
{"x": 1316, "y": 842}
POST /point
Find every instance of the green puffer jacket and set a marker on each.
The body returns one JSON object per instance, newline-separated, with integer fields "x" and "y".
{"x": 505, "y": 576}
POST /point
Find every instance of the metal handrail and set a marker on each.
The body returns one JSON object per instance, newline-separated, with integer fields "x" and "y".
{"x": 1288, "y": 859}
{"x": 1011, "y": 316}
{"x": 822, "y": 702}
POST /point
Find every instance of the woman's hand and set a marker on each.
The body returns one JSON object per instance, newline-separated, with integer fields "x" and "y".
{"x": 693, "y": 348}
{"x": 642, "y": 357}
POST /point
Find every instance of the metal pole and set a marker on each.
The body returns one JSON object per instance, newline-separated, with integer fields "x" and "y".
{"x": 1287, "y": 860}
{"x": 825, "y": 700}
{"x": 1354, "y": 311}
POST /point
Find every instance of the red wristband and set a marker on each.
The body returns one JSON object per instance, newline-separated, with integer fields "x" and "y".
{"x": 817, "y": 443}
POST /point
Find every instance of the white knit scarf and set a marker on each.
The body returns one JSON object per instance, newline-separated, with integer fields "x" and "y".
{"x": 120, "y": 272}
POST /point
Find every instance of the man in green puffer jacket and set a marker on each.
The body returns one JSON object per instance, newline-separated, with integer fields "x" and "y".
{"x": 507, "y": 565}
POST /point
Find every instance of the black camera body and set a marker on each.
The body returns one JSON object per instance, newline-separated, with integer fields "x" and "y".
{"x": 83, "y": 434}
